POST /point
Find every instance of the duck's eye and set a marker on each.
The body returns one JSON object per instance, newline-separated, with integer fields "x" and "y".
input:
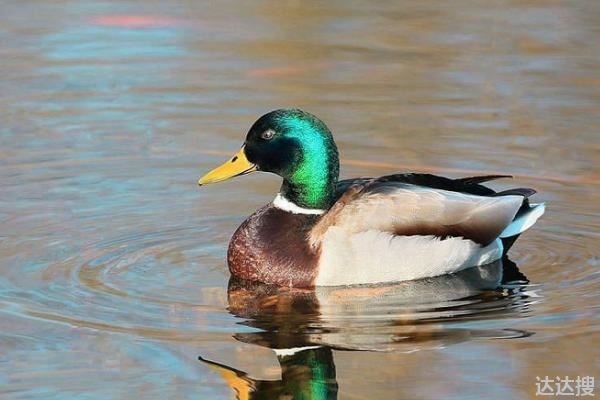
{"x": 268, "y": 134}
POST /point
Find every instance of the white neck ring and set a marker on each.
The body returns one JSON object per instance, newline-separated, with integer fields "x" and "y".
{"x": 284, "y": 204}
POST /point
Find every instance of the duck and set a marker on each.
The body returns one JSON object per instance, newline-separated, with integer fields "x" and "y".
{"x": 323, "y": 231}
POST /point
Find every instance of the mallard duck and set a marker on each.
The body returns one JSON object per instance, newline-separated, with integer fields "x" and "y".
{"x": 322, "y": 231}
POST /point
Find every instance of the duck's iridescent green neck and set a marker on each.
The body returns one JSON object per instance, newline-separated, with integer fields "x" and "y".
{"x": 312, "y": 180}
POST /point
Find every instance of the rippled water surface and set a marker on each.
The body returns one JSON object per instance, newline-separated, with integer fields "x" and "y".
{"x": 113, "y": 281}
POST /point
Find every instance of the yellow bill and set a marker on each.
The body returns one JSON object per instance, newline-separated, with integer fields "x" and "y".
{"x": 236, "y": 166}
{"x": 241, "y": 384}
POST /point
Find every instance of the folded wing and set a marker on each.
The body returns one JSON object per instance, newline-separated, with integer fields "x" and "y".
{"x": 392, "y": 205}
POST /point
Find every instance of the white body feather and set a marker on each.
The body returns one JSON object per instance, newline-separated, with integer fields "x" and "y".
{"x": 374, "y": 257}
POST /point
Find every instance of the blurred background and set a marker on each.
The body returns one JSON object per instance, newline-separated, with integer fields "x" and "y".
{"x": 113, "y": 277}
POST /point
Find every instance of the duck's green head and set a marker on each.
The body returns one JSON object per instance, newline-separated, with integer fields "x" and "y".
{"x": 295, "y": 145}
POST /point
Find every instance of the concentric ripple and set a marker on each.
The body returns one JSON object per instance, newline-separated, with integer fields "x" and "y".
{"x": 157, "y": 284}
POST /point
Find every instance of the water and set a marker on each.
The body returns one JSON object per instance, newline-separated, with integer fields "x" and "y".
{"x": 113, "y": 279}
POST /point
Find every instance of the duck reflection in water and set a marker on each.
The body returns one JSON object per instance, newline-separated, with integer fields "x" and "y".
{"x": 302, "y": 326}
{"x": 305, "y": 374}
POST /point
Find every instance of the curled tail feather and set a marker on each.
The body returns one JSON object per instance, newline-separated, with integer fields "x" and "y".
{"x": 524, "y": 219}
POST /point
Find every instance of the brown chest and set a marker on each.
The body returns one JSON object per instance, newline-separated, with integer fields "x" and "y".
{"x": 271, "y": 247}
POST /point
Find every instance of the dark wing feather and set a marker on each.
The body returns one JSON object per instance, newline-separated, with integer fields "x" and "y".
{"x": 440, "y": 182}
{"x": 474, "y": 180}
{"x": 470, "y": 185}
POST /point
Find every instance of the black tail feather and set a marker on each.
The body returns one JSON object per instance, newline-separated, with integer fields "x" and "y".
{"x": 525, "y": 192}
{"x": 507, "y": 243}
{"x": 475, "y": 180}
